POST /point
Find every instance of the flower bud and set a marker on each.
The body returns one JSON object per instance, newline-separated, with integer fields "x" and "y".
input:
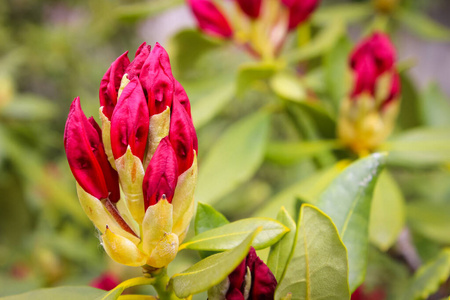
{"x": 368, "y": 116}
{"x": 143, "y": 209}
{"x": 299, "y": 11}
{"x": 210, "y": 19}
{"x": 251, "y": 8}
{"x": 251, "y": 280}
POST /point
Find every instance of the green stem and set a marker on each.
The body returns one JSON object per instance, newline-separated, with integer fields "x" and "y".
{"x": 161, "y": 283}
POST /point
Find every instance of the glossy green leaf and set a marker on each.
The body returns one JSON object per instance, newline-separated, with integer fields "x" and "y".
{"x": 430, "y": 220}
{"x": 208, "y": 218}
{"x": 423, "y": 25}
{"x": 323, "y": 42}
{"x": 308, "y": 189}
{"x": 347, "y": 201}
{"x": 420, "y": 147}
{"x": 61, "y": 293}
{"x": 281, "y": 251}
{"x": 293, "y": 152}
{"x": 252, "y": 73}
{"x": 288, "y": 86}
{"x": 118, "y": 290}
{"x": 435, "y": 107}
{"x": 318, "y": 267}
{"x": 211, "y": 270}
{"x": 387, "y": 214}
{"x": 234, "y": 158}
{"x": 209, "y": 98}
{"x": 428, "y": 277}
{"x": 347, "y": 12}
{"x": 230, "y": 235}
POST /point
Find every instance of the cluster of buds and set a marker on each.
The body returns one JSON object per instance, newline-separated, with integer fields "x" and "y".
{"x": 251, "y": 280}
{"x": 136, "y": 174}
{"x": 261, "y": 26}
{"x": 368, "y": 115}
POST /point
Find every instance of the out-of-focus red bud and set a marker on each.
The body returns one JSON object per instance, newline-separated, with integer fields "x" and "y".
{"x": 86, "y": 156}
{"x": 157, "y": 80}
{"x": 210, "y": 19}
{"x": 361, "y": 294}
{"x": 251, "y": 8}
{"x": 135, "y": 67}
{"x": 106, "y": 281}
{"x": 109, "y": 86}
{"x": 379, "y": 48}
{"x": 394, "y": 92}
{"x": 182, "y": 97}
{"x": 130, "y": 121}
{"x": 366, "y": 76}
{"x": 263, "y": 282}
{"x": 161, "y": 176}
{"x": 182, "y": 136}
{"x": 299, "y": 11}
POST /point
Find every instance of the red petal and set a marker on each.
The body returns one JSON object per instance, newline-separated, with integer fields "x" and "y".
{"x": 237, "y": 278}
{"x": 365, "y": 77}
{"x": 251, "y": 8}
{"x": 299, "y": 11}
{"x": 210, "y": 19}
{"x": 109, "y": 86}
{"x": 182, "y": 97}
{"x": 129, "y": 122}
{"x": 182, "y": 136}
{"x": 161, "y": 176}
{"x": 157, "y": 80}
{"x": 394, "y": 92}
{"x": 80, "y": 144}
{"x": 234, "y": 294}
{"x": 135, "y": 67}
{"x": 263, "y": 281}
{"x": 106, "y": 281}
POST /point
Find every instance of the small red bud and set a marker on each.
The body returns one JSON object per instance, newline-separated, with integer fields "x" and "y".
{"x": 161, "y": 176}
{"x": 251, "y": 8}
{"x": 299, "y": 11}
{"x": 130, "y": 121}
{"x": 210, "y": 19}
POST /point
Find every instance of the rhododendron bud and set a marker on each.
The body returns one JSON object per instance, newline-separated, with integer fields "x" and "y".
{"x": 251, "y": 8}
{"x": 299, "y": 11}
{"x": 368, "y": 116}
{"x": 251, "y": 280}
{"x": 143, "y": 209}
{"x": 106, "y": 281}
{"x": 210, "y": 19}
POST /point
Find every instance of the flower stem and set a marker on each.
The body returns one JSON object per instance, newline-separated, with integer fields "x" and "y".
{"x": 161, "y": 283}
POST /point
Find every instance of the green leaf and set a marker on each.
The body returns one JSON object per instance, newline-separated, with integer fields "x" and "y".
{"x": 208, "y": 218}
{"x": 430, "y": 220}
{"x": 29, "y": 107}
{"x": 288, "y": 86}
{"x": 61, "y": 293}
{"x": 118, "y": 290}
{"x": 419, "y": 147}
{"x": 308, "y": 189}
{"x": 281, "y": 251}
{"x": 209, "y": 98}
{"x": 234, "y": 158}
{"x": 211, "y": 270}
{"x": 427, "y": 279}
{"x": 347, "y": 201}
{"x": 252, "y": 73}
{"x": 230, "y": 235}
{"x": 292, "y": 152}
{"x": 323, "y": 42}
{"x": 422, "y": 25}
{"x": 346, "y": 12}
{"x": 435, "y": 107}
{"x": 318, "y": 267}
{"x": 387, "y": 214}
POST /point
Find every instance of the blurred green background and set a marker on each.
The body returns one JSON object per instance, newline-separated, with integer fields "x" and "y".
{"x": 53, "y": 51}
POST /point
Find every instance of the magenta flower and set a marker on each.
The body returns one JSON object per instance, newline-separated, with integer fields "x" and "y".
{"x": 299, "y": 11}
{"x": 210, "y": 19}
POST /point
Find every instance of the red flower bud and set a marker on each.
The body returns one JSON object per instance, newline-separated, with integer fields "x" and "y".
{"x": 299, "y": 11}
{"x": 182, "y": 136}
{"x": 379, "y": 48}
{"x": 135, "y": 67}
{"x": 130, "y": 121}
{"x": 157, "y": 80}
{"x": 361, "y": 294}
{"x": 161, "y": 176}
{"x": 109, "y": 86}
{"x": 263, "y": 282}
{"x": 86, "y": 155}
{"x": 366, "y": 76}
{"x": 251, "y": 8}
{"x": 182, "y": 97}
{"x": 210, "y": 19}
{"x": 106, "y": 281}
